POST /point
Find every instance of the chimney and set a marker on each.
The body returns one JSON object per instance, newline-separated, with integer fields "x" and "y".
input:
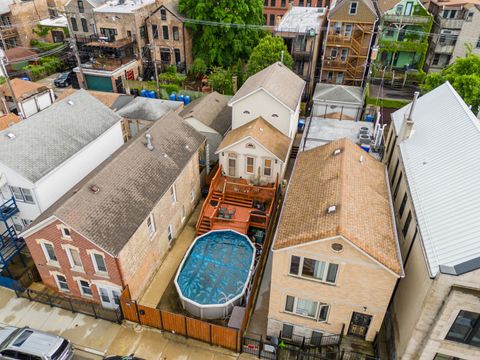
{"x": 149, "y": 142}
{"x": 407, "y": 126}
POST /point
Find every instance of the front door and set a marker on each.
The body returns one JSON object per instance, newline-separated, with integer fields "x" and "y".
{"x": 232, "y": 167}
{"x": 359, "y": 324}
{"x": 109, "y": 296}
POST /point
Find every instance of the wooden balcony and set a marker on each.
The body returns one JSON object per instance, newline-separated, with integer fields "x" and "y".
{"x": 107, "y": 64}
{"x": 349, "y": 42}
{"x": 237, "y": 205}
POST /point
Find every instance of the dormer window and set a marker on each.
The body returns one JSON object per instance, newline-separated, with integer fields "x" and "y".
{"x": 353, "y": 8}
{"x": 246, "y": 112}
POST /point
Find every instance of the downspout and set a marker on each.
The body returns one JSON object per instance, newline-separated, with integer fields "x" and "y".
{"x": 184, "y": 45}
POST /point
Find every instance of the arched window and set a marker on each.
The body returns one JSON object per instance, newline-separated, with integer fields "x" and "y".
{"x": 246, "y": 112}
{"x": 275, "y": 115}
{"x": 250, "y": 146}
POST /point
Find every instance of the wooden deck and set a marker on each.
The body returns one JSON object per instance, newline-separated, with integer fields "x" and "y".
{"x": 235, "y": 204}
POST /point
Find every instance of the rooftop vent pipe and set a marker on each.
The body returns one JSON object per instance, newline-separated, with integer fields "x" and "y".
{"x": 149, "y": 142}
{"x": 407, "y": 126}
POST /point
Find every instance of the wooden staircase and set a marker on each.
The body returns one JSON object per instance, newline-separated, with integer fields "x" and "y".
{"x": 232, "y": 199}
{"x": 294, "y": 152}
{"x": 205, "y": 226}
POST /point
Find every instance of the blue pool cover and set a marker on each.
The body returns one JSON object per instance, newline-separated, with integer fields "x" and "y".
{"x": 216, "y": 268}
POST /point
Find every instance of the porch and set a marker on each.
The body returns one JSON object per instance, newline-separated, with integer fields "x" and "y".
{"x": 10, "y": 244}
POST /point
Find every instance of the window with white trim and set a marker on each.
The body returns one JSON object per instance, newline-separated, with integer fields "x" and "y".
{"x": 182, "y": 214}
{"x": 22, "y": 195}
{"x": 267, "y": 167}
{"x": 170, "y": 232}
{"x": 99, "y": 264}
{"x": 73, "y": 255}
{"x": 62, "y": 282}
{"x": 250, "y": 165}
{"x": 306, "y": 308}
{"x": 151, "y": 225}
{"x": 85, "y": 288}
{"x": 353, "y": 8}
{"x": 313, "y": 269}
{"x": 173, "y": 194}
{"x": 65, "y": 232}
{"x": 49, "y": 252}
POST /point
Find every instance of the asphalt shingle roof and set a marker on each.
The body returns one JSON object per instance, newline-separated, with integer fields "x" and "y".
{"x": 142, "y": 108}
{"x": 50, "y": 137}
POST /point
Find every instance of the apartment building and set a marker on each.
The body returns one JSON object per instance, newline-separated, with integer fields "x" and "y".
{"x": 456, "y": 31}
{"x": 350, "y": 34}
{"x": 81, "y": 17}
{"x": 301, "y": 29}
{"x": 334, "y": 269}
{"x": 115, "y": 227}
{"x": 274, "y": 10}
{"x": 435, "y": 311}
{"x": 171, "y": 40}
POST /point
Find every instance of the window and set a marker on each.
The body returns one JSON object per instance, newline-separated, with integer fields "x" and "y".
{"x": 267, "y": 167}
{"x": 265, "y": 2}
{"x": 85, "y": 288}
{"x": 182, "y": 214}
{"x": 287, "y": 331}
{"x": 163, "y": 14}
{"x": 399, "y": 9}
{"x": 409, "y": 8}
{"x": 175, "y": 33}
{"x": 250, "y": 165}
{"x": 477, "y": 45}
{"x": 84, "y": 25}
{"x": 99, "y": 263}
{"x": 74, "y": 24}
{"x": 313, "y": 269}
{"x": 26, "y": 222}
{"x": 22, "y": 195}
{"x": 65, "y": 232}
{"x": 395, "y": 193}
{"x": 436, "y": 58}
{"x": 62, "y": 283}
{"x": 81, "y": 8}
{"x": 323, "y": 313}
{"x": 402, "y": 205}
{"x": 155, "y": 31}
{"x": 469, "y": 16}
{"x": 301, "y": 2}
{"x": 407, "y": 224}
{"x": 173, "y": 194}
{"x": 143, "y": 31}
{"x": 353, "y": 8}
{"x": 306, "y": 308}
{"x": 344, "y": 55}
{"x": 272, "y": 19}
{"x": 165, "y": 32}
{"x": 283, "y": 3}
{"x": 465, "y": 329}
{"x": 74, "y": 258}
{"x": 49, "y": 252}
{"x": 151, "y": 225}
{"x": 273, "y": 3}
{"x": 178, "y": 58}
{"x": 348, "y": 30}
{"x": 449, "y": 14}
{"x": 333, "y": 53}
{"x": 170, "y": 233}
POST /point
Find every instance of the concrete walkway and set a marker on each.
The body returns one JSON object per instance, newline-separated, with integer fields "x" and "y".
{"x": 95, "y": 338}
{"x": 167, "y": 270}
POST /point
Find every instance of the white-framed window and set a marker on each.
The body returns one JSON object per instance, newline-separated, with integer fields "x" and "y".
{"x": 73, "y": 255}
{"x": 22, "y": 195}
{"x": 151, "y": 225}
{"x": 173, "y": 194}
{"x": 170, "y": 232}
{"x": 192, "y": 196}
{"x": 333, "y": 53}
{"x": 49, "y": 252}
{"x": 348, "y": 30}
{"x": 353, "y": 8}
{"x": 85, "y": 288}
{"x": 313, "y": 269}
{"x": 344, "y": 54}
{"x": 62, "y": 282}
{"x": 65, "y": 232}
{"x": 182, "y": 214}
{"x": 267, "y": 167}
{"x": 250, "y": 165}
{"x": 307, "y": 308}
{"x": 99, "y": 264}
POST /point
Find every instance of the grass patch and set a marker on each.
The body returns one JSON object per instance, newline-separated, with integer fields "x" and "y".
{"x": 387, "y": 103}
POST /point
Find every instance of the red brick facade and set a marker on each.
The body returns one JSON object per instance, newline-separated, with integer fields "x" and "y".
{"x": 53, "y": 234}
{"x": 272, "y": 9}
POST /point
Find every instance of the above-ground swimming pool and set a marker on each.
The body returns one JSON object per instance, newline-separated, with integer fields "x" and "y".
{"x": 214, "y": 274}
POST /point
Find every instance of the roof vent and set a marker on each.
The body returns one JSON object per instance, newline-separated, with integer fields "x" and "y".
{"x": 149, "y": 142}
{"x": 187, "y": 147}
{"x": 261, "y": 129}
{"x": 94, "y": 188}
{"x": 165, "y": 155}
{"x": 361, "y": 158}
{"x": 337, "y": 151}
{"x": 70, "y": 102}
{"x": 10, "y": 135}
{"x": 331, "y": 209}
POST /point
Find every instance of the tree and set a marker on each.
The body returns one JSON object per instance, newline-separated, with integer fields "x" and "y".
{"x": 219, "y": 44}
{"x": 267, "y": 52}
{"x": 464, "y": 75}
{"x": 221, "y": 80}
{"x": 198, "y": 68}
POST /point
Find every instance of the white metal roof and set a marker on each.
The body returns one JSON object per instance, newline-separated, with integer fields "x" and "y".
{"x": 302, "y": 19}
{"x": 126, "y": 6}
{"x": 442, "y": 165}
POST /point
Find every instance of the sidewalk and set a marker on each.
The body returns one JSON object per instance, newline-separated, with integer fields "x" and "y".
{"x": 99, "y": 337}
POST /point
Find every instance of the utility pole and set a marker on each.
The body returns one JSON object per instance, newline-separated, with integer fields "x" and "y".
{"x": 9, "y": 85}
{"x": 73, "y": 46}
{"x": 4, "y": 45}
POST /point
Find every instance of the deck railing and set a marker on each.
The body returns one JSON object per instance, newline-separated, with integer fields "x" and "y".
{"x": 8, "y": 208}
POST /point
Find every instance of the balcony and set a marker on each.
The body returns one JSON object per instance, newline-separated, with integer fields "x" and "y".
{"x": 412, "y": 19}
{"x": 8, "y": 32}
{"x": 8, "y": 209}
{"x": 107, "y": 64}
{"x": 451, "y": 23}
{"x": 334, "y": 65}
{"x": 108, "y": 43}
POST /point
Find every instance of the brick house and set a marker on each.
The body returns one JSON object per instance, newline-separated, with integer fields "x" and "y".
{"x": 116, "y": 226}
{"x": 333, "y": 269}
{"x": 273, "y": 10}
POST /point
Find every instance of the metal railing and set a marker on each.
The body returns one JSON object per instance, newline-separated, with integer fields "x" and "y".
{"x": 8, "y": 209}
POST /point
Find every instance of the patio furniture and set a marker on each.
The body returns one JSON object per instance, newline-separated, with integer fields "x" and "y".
{"x": 222, "y": 211}
{"x": 231, "y": 212}
{"x": 259, "y": 236}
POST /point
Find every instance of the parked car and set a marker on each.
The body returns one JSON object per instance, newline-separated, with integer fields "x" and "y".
{"x": 64, "y": 79}
{"x": 26, "y": 343}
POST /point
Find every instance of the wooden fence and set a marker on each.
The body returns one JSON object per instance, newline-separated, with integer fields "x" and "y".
{"x": 179, "y": 324}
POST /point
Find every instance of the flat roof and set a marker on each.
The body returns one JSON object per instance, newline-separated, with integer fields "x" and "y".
{"x": 302, "y": 19}
{"x": 128, "y": 6}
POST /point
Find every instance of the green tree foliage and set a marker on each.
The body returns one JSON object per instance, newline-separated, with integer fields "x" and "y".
{"x": 221, "y": 80}
{"x": 171, "y": 76}
{"x": 464, "y": 75}
{"x": 198, "y": 68}
{"x": 267, "y": 52}
{"x": 224, "y": 45}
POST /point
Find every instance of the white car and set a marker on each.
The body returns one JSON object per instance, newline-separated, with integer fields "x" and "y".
{"x": 29, "y": 344}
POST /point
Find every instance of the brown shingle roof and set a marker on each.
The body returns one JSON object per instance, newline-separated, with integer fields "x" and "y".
{"x": 20, "y": 53}
{"x": 22, "y": 88}
{"x": 358, "y": 189}
{"x": 212, "y": 110}
{"x": 107, "y": 98}
{"x": 7, "y": 120}
{"x": 264, "y": 133}
{"x": 279, "y": 81}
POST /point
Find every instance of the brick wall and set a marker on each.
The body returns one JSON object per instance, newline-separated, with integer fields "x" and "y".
{"x": 52, "y": 234}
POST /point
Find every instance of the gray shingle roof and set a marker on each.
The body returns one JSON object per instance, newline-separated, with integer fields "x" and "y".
{"x": 212, "y": 110}
{"x": 50, "y": 137}
{"x": 130, "y": 184}
{"x": 142, "y": 108}
{"x": 279, "y": 81}
{"x": 338, "y": 93}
